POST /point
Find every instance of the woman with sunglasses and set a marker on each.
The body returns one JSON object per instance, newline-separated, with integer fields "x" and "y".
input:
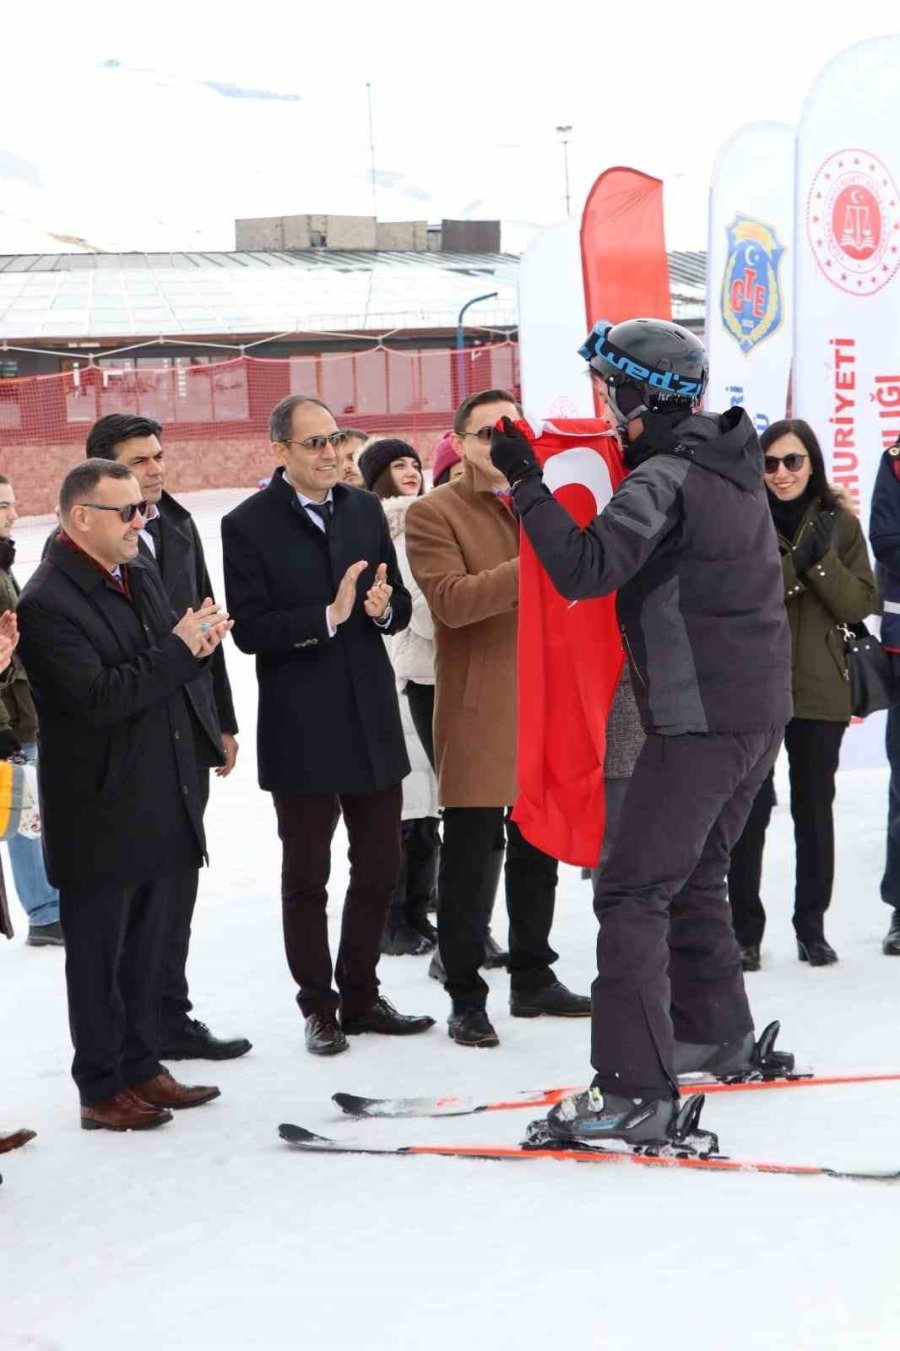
{"x": 828, "y": 583}
{"x": 392, "y": 470}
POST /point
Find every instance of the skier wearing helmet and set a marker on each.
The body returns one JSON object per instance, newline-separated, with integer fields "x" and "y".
{"x": 687, "y": 543}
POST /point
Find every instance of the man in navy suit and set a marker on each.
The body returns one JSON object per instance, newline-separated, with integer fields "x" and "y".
{"x": 313, "y": 587}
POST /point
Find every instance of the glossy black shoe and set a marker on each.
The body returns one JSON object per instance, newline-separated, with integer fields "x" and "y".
{"x": 891, "y": 945}
{"x": 750, "y": 958}
{"x": 553, "y": 1000}
{"x": 324, "y": 1035}
{"x": 402, "y": 940}
{"x": 471, "y": 1027}
{"x": 46, "y": 936}
{"x": 381, "y": 1016}
{"x": 194, "y": 1041}
{"x": 817, "y": 952}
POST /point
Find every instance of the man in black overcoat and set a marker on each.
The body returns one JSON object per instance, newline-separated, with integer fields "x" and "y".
{"x": 122, "y": 812}
{"x": 313, "y": 585}
{"x": 171, "y": 540}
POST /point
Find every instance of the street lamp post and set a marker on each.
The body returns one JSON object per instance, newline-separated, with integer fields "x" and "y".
{"x": 564, "y": 133}
{"x": 462, "y": 382}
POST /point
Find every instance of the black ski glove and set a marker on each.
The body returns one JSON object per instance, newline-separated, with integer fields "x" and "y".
{"x": 816, "y": 540}
{"x": 512, "y": 454}
{"x": 8, "y": 744}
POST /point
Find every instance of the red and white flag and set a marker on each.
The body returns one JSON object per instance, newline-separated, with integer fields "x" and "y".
{"x": 570, "y": 659}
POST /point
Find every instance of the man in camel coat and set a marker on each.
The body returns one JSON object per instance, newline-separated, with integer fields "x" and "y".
{"x": 462, "y": 541}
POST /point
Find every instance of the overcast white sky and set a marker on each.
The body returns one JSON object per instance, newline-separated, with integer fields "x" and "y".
{"x": 466, "y": 99}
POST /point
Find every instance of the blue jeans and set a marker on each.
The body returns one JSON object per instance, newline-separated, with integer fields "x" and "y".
{"x": 39, "y": 900}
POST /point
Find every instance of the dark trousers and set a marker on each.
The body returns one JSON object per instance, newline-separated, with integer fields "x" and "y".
{"x": 472, "y": 835}
{"x": 813, "y": 750}
{"x": 668, "y": 965}
{"x": 306, "y": 824}
{"x": 890, "y": 883}
{"x": 421, "y": 708}
{"x": 420, "y": 852}
{"x": 115, "y": 940}
{"x": 176, "y": 1003}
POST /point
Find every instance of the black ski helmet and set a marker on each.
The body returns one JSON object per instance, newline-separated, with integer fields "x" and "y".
{"x": 649, "y": 365}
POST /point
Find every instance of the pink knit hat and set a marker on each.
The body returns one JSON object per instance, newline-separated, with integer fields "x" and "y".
{"x": 445, "y": 456}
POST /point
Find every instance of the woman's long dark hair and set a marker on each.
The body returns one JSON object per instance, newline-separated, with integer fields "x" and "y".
{"x": 818, "y": 485}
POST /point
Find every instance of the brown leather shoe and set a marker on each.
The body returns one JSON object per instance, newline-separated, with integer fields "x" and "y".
{"x": 165, "y": 1091}
{"x": 124, "y": 1112}
{"x": 15, "y": 1140}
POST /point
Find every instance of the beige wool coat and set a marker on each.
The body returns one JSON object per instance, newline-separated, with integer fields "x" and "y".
{"x": 462, "y": 543}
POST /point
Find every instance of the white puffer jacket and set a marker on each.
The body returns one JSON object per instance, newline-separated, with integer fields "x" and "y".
{"x": 412, "y": 656}
{"x": 412, "y": 651}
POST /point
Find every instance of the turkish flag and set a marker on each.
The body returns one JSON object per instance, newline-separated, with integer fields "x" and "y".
{"x": 570, "y": 659}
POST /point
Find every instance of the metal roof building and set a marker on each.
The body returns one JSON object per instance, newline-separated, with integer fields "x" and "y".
{"x": 99, "y": 299}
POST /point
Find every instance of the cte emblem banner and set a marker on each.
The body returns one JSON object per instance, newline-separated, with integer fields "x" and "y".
{"x": 751, "y": 290}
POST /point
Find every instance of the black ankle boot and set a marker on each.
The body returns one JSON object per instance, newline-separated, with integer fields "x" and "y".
{"x": 891, "y": 945}
{"x": 817, "y": 952}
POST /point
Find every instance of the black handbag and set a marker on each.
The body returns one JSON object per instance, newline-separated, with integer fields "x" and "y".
{"x": 869, "y": 671}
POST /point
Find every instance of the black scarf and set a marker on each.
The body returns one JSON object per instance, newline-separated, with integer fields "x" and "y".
{"x": 788, "y": 515}
{"x": 7, "y": 554}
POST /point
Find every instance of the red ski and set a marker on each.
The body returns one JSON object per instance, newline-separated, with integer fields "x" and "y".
{"x": 456, "y": 1105}
{"x": 308, "y": 1142}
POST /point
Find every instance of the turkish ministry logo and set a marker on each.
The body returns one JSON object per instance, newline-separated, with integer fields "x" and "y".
{"x": 751, "y": 292}
{"x": 853, "y": 222}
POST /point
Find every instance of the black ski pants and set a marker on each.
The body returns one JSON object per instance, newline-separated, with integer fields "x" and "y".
{"x": 472, "y": 838}
{"x": 668, "y": 964}
{"x": 813, "y": 750}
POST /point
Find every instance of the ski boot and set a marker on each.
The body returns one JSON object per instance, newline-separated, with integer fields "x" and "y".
{"x": 737, "y": 1061}
{"x": 589, "y": 1119}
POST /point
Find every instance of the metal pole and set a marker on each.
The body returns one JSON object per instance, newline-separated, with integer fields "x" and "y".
{"x": 462, "y": 383}
{"x": 372, "y": 151}
{"x": 563, "y": 132}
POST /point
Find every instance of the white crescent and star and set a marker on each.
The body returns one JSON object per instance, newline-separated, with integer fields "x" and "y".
{"x": 582, "y": 466}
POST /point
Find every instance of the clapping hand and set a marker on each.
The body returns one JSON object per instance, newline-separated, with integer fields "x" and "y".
{"x": 378, "y": 597}
{"x": 203, "y": 629}
{"x": 9, "y": 637}
{"x": 816, "y": 540}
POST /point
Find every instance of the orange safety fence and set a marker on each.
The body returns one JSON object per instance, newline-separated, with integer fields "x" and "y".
{"x": 380, "y": 390}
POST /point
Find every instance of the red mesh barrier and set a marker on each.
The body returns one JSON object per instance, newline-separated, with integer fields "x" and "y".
{"x": 410, "y": 393}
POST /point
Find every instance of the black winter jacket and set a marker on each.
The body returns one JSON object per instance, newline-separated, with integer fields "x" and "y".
{"x": 688, "y": 543}
{"x": 117, "y": 766}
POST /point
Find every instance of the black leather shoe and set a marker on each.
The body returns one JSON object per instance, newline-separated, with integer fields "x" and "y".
{"x": 46, "y": 936}
{"x": 817, "y": 952}
{"x": 324, "y": 1035}
{"x": 891, "y": 945}
{"x": 554, "y": 1000}
{"x": 750, "y": 958}
{"x": 194, "y": 1041}
{"x": 471, "y": 1027}
{"x": 381, "y": 1016}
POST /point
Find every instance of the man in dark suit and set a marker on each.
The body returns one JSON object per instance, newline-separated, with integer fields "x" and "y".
{"x": 312, "y": 581}
{"x": 171, "y": 540}
{"x": 122, "y": 810}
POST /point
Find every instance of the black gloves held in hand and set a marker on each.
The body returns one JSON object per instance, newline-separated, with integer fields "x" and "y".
{"x": 817, "y": 539}
{"x": 512, "y": 454}
{"x": 8, "y": 744}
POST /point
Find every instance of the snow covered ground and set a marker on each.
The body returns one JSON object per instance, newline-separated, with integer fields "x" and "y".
{"x": 211, "y": 1233}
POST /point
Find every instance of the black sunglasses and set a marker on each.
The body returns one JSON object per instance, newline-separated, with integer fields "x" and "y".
{"x": 126, "y": 514}
{"x": 793, "y": 462}
{"x": 483, "y": 434}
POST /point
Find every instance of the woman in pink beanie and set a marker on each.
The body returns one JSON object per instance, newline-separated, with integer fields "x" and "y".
{"x": 447, "y": 464}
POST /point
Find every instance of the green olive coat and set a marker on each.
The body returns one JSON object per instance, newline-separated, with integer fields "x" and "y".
{"x": 840, "y": 589}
